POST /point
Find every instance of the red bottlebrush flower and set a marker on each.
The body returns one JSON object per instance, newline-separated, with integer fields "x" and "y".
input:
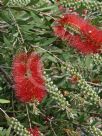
{"x": 28, "y": 77}
{"x": 72, "y": 19}
{"x": 34, "y": 131}
{"x": 85, "y": 45}
{"x": 59, "y": 31}
{"x": 84, "y": 26}
{"x": 75, "y": 41}
{"x": 93, "y": 33}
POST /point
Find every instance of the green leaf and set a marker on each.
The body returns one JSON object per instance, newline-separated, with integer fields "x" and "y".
{"x": 7, "y": 42}
{"x": 33, "y": 2}
{"x": 48, "y": 41}
{"x": 48, "y": 8}
{"x": 88, "y": 61}
{"x": 8, "y": 131}
{"x": 49, "y": 57}
{"x": 0, "y": 88}
{"x": 5, "y": 2}
{"x": 35, "y": 17}
{"x": 3, "y": 101}
{"x": 1, "y": 131}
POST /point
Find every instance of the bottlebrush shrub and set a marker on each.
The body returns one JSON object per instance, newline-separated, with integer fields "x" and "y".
{"x": 89, "y": 32}
{"x": 29, "y": 84}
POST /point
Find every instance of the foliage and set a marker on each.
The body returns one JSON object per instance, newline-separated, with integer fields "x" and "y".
{"x": 74, "y": 81}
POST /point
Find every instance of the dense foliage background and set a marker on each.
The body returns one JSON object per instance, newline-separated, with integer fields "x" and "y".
{"x": 26, "y": 25}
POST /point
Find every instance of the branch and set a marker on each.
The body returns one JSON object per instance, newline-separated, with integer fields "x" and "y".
{"x": 6, "y": 116}
{"x": 6, "y": 76}
{"x": 94, "y": 84}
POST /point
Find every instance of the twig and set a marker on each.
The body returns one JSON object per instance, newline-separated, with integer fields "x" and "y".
{"x": 49, "y": 53}
{"x": 18, "y": 28}
{"x": 8, "y": 79}
{"x": 28, "y": 116}
{"x": 94, "y": 84}
{"x": 52, "y": 129}
{"x": 47, "y": 14}
{"x": 7, "y": 117}
{"x": 6, "y": 76}
{"x": 13, "y": 104}
{"x": 96, "y": 115}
